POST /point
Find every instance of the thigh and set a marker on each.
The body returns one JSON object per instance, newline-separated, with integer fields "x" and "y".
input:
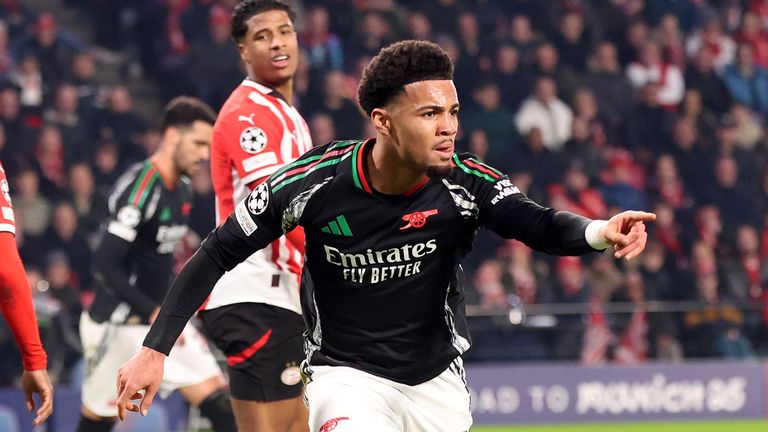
{"x": 106, "y": 347}
{"x": 344, "y": 400}
{"x": 440, "y": 404}
{"x": 264, "y": 348}
{"x": 189, "y": 363}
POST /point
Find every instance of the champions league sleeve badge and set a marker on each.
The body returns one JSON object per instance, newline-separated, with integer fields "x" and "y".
{"x": 253, "y": 140}
{"x": 259, "y": 199}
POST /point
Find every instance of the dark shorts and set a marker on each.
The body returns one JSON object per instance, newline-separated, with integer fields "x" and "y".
{"x": 264, "y": 348}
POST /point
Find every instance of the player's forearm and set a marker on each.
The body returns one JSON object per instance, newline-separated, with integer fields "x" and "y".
{"x": 188, "y": 292}
{"x": 17, "y": 307}
{"x": 109, "y": 270}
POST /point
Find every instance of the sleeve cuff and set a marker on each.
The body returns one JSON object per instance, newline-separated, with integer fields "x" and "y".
{"x": 593, "y": 236}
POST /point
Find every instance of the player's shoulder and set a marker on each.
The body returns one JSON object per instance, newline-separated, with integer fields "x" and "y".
{"x": 467, "y": 168}
{"x": 136, "y": 184}
{"x": 315, "y": 166}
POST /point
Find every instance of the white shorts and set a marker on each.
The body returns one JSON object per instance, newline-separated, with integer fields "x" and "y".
{"x": 106, "y": 347}
{"x": 343, "y": 399}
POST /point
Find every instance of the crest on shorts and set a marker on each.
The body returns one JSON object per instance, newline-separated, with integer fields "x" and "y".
{"x": 5, "y": 190}
{"x": 291, "y": 375}
{"x": 253, "y": 140}
{"x": 259, "y": 199}
{"x": 129, "y": 216}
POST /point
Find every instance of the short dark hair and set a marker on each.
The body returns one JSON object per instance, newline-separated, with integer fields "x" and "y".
{"x": 398, "y": 65}
{"x": 248, "y": 8}
{"x": 184, "y": 110}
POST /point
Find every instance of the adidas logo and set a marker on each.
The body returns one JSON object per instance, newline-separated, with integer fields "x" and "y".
{"x": 338, "y": 226}
{"x": 165, "y": 215}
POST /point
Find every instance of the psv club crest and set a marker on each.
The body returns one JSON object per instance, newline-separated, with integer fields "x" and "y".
{"x": 253, "y": 140}
{"x": 6, "y": 191}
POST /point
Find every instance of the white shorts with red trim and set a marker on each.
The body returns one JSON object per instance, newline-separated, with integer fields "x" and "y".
{"x": 343, "y": 399}
{"x": 107, "y": 346}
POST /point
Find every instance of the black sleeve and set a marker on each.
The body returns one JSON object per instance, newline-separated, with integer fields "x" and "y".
{"x": 110, "y": 270}
{"x": 509, "y": 213}
{"x": 255, "y": 223}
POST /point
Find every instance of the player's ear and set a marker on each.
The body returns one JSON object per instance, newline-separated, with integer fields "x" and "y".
{"x": 171, "y": 135}
{"x": 382, "y": 121}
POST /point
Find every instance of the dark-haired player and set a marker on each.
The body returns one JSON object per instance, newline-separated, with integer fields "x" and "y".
{"x": 18, "y": 310}
{"x": 253, "y": 314}
{"x": 387, "y": 222}
{"x": 148, "y": 211}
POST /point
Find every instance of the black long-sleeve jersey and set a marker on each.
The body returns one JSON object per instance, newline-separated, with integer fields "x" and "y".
{"x": 134, "y": 259}
{"x": 382, "y": 285}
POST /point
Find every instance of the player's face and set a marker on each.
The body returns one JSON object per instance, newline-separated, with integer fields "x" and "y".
{"x": 424, "y": 122}
{"x": 270, "y": 48}
{"x": 193, "y": 147}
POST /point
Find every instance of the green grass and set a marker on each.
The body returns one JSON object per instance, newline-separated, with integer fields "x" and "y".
{"x": 723, "y": 426}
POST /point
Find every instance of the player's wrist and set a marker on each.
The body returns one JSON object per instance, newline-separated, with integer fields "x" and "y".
{"x": 151, "y": 353}
{"x": 594, "y": 234}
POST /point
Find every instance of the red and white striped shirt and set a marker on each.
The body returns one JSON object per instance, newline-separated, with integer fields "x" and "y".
{"x": 257, "y": 132}
{"x": 7, "y": 221}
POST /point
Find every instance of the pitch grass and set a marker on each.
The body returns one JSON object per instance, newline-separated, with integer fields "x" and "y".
{"x": 720, "y": 426}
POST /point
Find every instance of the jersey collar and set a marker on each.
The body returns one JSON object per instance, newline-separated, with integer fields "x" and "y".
{"x": 248, "y": 82}
{"x": 360, "y": 174}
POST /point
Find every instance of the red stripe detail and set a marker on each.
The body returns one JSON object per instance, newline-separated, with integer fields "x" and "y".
{"x": 482, "y": 168}
{"x": 276, "y": 254}
{"x": 417, "y": 187}
{"x": 144, "y": 181}
{"x": 306, "y": 167}
{"x": 247, "y": 353}
{"x": 360, "y": 171}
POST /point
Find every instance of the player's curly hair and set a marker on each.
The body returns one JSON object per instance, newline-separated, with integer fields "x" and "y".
{"x": 183, "y": 111}
{"x": 398, "y": 65}
{"x": 248, "y": 8}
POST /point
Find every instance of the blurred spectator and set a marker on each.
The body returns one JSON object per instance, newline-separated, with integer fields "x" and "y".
{"x": 746, "y": 82}
{"x": 690, "y": 155}
{"x": 28, "y": 204}
{"x": 573, "y": 41}
{"x": 611, "y": 88}
{"x": 693, "y": 108}
{"x": 667, "y": 231}
{"x": 604, "y": 277}
{"x": 514, "y": 84}
{"x": 213, "y": 64}
{"x": 752, "y": 34}
{"x": 52, "y": 49}
{"x": 30, "y": 82}
{"x": 527, "y": 277}
{"x": 90, "y": 92}
{"x": 120, "y": 123}
{"x": 7, "y": 62}
{"x": 90, "y": 206}
{"x": 652, "y": 68}
{"x": 65, "y": 234}
{"x": 670, "y": 40}
{"x": 621, "y": 186}
{"x": 711, "y": 36}
{"x": 495, "y": 121}
{"x": 322, "y": 128}
{"x": 573, "y": 193}
{"x": 373, "y": 32}
{"x": 748, "y": 131}
{"x": 543, "y": 110}
{"x": 522, "y": 37}
{"x": 571, "y": 287}
{"x": 420, "y": 26}
{"x": 667, "y": 186}
{"x": 632, "y": 329}
{"x": 488, "y": 284}
{"x": 701, "y": 76}
{"x": 323, "y": 48}
{"x": 106, "y": 166}
{"x": 51, "y": 156}
{"x": 336, "y": 103}
{"x": 546, "y": 63}
{"x": 66, "y": 116}
{"x": 730, "y": 194}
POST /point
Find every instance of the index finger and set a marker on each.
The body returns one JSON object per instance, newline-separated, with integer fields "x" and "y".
{"x": 641, "y": 215}
{"x": 46, "y": 407}
{"x": 123, "y": 399}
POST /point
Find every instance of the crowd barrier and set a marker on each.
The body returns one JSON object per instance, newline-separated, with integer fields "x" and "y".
{"x": 510, "y": 394}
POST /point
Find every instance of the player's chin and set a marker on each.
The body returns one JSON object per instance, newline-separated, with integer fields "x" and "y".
{"x": 439, "y": 170}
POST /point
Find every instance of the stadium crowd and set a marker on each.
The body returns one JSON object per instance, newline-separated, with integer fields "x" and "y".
{"x": 589, "y": 106}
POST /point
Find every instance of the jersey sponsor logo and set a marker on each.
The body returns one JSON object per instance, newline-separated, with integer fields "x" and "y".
{"x": 417, "y": 219}
{"x": 372, "y": 266}
{"x": 6, "y": 190}
{"x": 338, "y": 226}
{"x": 244, "y": 219}
{"x": 291, "y": 375}
{"x": 258, "y": 201}
{"x": 129, "y": 216}
{"x": 168, "y": 237}
{"x": 331, "y": 424}
{"x": 505, "y": 188}
{"x": 253, "y": 163}
{"x": 253, "y": 140}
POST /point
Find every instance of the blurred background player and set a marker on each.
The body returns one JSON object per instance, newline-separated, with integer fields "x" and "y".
{"x": 253, "y": 314}
{"x": 148, "y": 211}
{"x": 16, "y": 304}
